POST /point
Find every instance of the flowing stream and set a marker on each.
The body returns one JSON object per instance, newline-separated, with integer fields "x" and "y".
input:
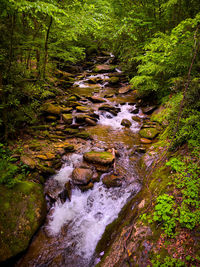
{"x": 73, "y": 228}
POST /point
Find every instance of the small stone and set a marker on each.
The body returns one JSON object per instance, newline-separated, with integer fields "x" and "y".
{"x": 126, "y": 123}
{"x": 145, "y": 141}
{"x": 124, "y": 89}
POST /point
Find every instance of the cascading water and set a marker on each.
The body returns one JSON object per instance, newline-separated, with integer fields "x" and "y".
{"x": 74, "y": 227}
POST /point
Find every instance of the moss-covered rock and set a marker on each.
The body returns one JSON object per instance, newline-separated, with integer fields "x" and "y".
{"x": 113, "y": 80}
{"x": 22, "y": 210}
{"x": 27, "y": 160}
{"x": 102, "y": 158}
{"x": 82, "y": 109}
{"x": 104, "y": 68}
{"x": 149, "y": 133}
{"x": 50, "y": 108}
{"x": 68, "y": 119}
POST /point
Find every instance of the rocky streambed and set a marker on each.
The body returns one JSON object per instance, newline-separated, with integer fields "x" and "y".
{"x": 99, "y": 132}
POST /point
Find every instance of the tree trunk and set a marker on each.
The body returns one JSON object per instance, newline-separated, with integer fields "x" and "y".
{"x": 46, "y": 48}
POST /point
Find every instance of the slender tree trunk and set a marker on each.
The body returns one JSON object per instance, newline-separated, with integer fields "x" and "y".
{"x": 11, "y": 45}
{"x": 46, "y": 47}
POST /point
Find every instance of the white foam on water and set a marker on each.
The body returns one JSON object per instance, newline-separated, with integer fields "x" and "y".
{"x": 88, "y": 214}
{"x": 64, "y": 174}
{"x": 115, "y": 121}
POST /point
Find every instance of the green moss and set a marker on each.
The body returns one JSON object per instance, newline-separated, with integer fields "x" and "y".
{"x": 149, "y": 133}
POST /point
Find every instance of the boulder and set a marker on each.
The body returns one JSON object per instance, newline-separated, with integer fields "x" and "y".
{"x": 22, "y": 210}
{"x": 104, "y": 68}
{"x": 90, "y": 122}
{"x": 149, "y": 133}
{"x": 126, "y": 123}
{"x": 135, "y": 111}
{"x": 112, "y": 180}
{"x": 66, "y": 110}
{"x": 96, "y": 99}
{"x": 124, "y": 89}
{"x": 148, "y": 110}
{"x": 110, "y": 109}
{"x": 81, "y": 176}
{"x": 114, "y": 80}
{"x": 68, "y": 119}
{"x": 28, "y": 161}
{"x": 50, "y": 108}
{"x": 83, "y": 109}
{"x": 102, "y": 158}
{"x": 86, "y": 187}
{"x": 136, "y": 118}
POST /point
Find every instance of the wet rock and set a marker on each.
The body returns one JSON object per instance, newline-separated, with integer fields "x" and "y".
{"x": 68, "y": 119}
{"x": 110, "y": 109}
{"x": 96, "y": 99}
{"x": 45, "y": 170}
{"x": 83, "y": 109}
{"x": 71, "y": 131}
{"x": 145, "y": 141}
{"x": 50, "y": 108}
{"x": 22, "y": 210}
{"x": 28, "y": 161}
{"x": 148, "y": 110}
{"x": 66, "y": 193}
{"x": 104, "y": 68}
{"x": 102, "y": 158}
{"x": 114, "y": 80}
{"x": 80, "y": 118}
{"x": 66, "y": 110}
{"x": 81, "y": 176}
{"x": 149, "y": 133}
{"x": 125, "y": 89}
{"x": 95, "y": 177}
{"x": 83, "y": 135}
{"x": 63, "y": 74}
{"x": 135, "y": 111}
{"x": 90, "y": 122}
{"x": 112, "y": 180}
{"x": 51, "y": 118}
{"x": 67, "y": 147}
{"x": 72, "y": 98}
{"x": 140, "y": 149}
{"x": 86, "y": 187}
{"x": 109, "y": 95}
{"x": 126, "y": 123}
{"x": 137, "y": 119}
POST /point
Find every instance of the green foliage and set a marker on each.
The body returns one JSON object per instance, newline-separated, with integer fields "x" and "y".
{"x": 167, "y": 262}
{"x": 164, "y": 213}
{"x": 10, "y": 174}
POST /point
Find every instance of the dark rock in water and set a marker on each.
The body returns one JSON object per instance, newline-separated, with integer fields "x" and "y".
{"x": 95, "y": 177}
{"x": 86, "y": 187}
{"x": 22, "y": 210}
{"x": 81, "y": 176}
{"x": 148, "y": 110}
{"x": 125, "y": 89}
{"x": 66, "y": 193}
{"x": 96, "y": 99}
{"x": 114, "y": 80}
{"x": 112, "y": 180}
{"x": 126, "y": 123}
{"x": 110, "y": 109}
{"x": 135, "y": 118}
{"x": 90, "y": 122}
{"x": 135, "y": 111}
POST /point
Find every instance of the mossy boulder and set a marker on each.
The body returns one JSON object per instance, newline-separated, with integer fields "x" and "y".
{"x": 82, "y": 109}
{"x": 81, "y": 176}
{"x": 50, "y": 108}
{"x": 149, "y": 133}
{"x": 27, "y": 160}
{"x": 22, "y": 210}
{"x": 102, "y": 158}
{"x": 68, "y": 119}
